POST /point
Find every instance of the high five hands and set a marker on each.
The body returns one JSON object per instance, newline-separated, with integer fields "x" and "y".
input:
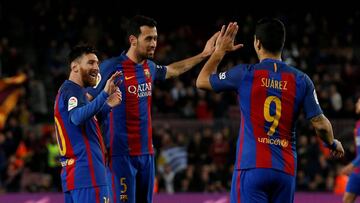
{"x": 226, "y": 39}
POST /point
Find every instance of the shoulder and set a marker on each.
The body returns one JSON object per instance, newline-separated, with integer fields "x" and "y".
{"x": 70, "y": 89}
{"x": 299, "y": 75}
{"x": 234, "y": 73}
{"x": 110, "y": 62}
{"x": 152, "y": 64}
{"x": 242, "y": 68}
{"x": 295, "y": 71}
{"x": 65, "y": 87}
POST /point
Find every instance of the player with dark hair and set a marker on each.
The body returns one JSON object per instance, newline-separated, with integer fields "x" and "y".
{"x": 80, "y": 142}
{"x": 271, "y": 94}
{"x": 353, "y": 168}
{"x": 130, "y": 135}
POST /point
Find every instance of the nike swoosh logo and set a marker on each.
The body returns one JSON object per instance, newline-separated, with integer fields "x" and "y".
{"x": 128, "y": 78}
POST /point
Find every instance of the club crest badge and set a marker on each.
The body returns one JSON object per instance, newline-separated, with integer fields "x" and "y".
{"x": 147, "y": 73}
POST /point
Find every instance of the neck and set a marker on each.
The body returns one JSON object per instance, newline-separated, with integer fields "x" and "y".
{"x": 270, "y": 56}
{"x": 133, "y": 56}
{"x": 75, "y": 78}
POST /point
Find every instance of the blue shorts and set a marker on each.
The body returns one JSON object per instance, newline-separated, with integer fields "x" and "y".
{"x": 90, "y": 194}
{"x": 353, "y": 185}
{"x": 132, "y": 178}
{"x": 262, "y": 185}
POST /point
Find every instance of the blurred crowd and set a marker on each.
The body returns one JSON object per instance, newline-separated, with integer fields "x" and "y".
{"x": 201, "y": 126}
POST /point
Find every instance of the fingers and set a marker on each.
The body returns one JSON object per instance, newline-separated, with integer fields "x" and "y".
{"x": 215, "y": 36}
{"x": 115, "y": 98}
{"x": 118, "y": 82}
{"x": 238, "y": 46}
{"x": 337, "y": 154}
{"x": 228, "y": 31}
{"x": 231, "y": 29}
{"x": 235, "y": 30}
{"x": 116, "y": 74}
{"x": 222, "y": 31}
{"x": 225, "y": 40}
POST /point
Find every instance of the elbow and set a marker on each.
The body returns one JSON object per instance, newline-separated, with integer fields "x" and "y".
{"x": 198, "y": 83}
{"x": 201, "y": 84}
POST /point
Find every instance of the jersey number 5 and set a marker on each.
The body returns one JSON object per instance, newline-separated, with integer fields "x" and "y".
{"x": 60, "y": 138}
{"x": 272, "y": 118}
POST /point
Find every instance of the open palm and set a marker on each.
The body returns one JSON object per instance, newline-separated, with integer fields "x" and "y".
{"x": 226, "y": 38}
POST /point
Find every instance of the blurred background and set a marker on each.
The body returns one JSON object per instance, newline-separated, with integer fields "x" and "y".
{"x": 200, "y": 127}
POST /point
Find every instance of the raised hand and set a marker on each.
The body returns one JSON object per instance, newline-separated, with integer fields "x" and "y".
{"x": 110, "y": 86}
{"x": 225, "y": 40}
{"x": 210, "y": 45}
{"x": 115, "y": 98}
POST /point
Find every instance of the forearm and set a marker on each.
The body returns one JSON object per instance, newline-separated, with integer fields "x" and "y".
{"x": 80, "y": 114}
{"x": 103, "y": 112}
{"x": 323, "y": 129}
{"x": 210, "y": 67}
{"x": 177, "y": 68}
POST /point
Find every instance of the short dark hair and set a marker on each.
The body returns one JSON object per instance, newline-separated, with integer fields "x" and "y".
{"x": 136, "y": 22}
{"x": 80, "y": 49}
{"x": 271, "y": 34}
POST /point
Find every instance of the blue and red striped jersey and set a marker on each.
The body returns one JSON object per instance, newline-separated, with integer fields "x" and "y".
{"x": 81, "y": 145}
{"x": 270, "y": 96}
{"x": 356, "y": 161}
{"x": 130, "y": 127}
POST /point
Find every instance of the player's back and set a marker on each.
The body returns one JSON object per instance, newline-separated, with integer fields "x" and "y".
{"x": 271, "y": 93}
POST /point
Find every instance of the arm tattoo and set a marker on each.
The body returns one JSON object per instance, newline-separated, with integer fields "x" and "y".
{"x": 321, "y": 129}
{"x": 317, "y": 118}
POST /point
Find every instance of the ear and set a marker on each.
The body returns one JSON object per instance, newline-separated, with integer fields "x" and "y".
{"x": 74, "y": 66}
{"x": 257, "y": 43}
{"x": 132, "y": 40}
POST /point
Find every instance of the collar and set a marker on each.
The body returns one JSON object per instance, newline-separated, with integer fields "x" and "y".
{"x": 271, "y": 60}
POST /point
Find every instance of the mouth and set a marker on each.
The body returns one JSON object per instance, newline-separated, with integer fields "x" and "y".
{"x": 93, "y": 75}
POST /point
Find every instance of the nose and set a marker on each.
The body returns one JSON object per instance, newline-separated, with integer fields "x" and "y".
{"x": 96, "y": 67}
{"x": 153, "y": 43}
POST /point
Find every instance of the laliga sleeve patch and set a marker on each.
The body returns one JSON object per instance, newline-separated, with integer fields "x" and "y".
{"x": 72, "y": 103}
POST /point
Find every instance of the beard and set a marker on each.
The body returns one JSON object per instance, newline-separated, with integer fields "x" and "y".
{"x": 150, "y": 55}
{"x": 146, "y": 55}
{"x": 88, "y": 81}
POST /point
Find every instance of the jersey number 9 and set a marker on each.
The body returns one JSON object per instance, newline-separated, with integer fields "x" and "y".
{"x": 274, "y": 119}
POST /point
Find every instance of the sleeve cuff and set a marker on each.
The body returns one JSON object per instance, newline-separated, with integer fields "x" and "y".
{"x": 104, "y": 94}
{"x": 106, "y": 107}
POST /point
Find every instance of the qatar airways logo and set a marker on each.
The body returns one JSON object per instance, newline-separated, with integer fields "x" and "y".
{"x": 276, "y": 141}
{"x": 140, "y": 90}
